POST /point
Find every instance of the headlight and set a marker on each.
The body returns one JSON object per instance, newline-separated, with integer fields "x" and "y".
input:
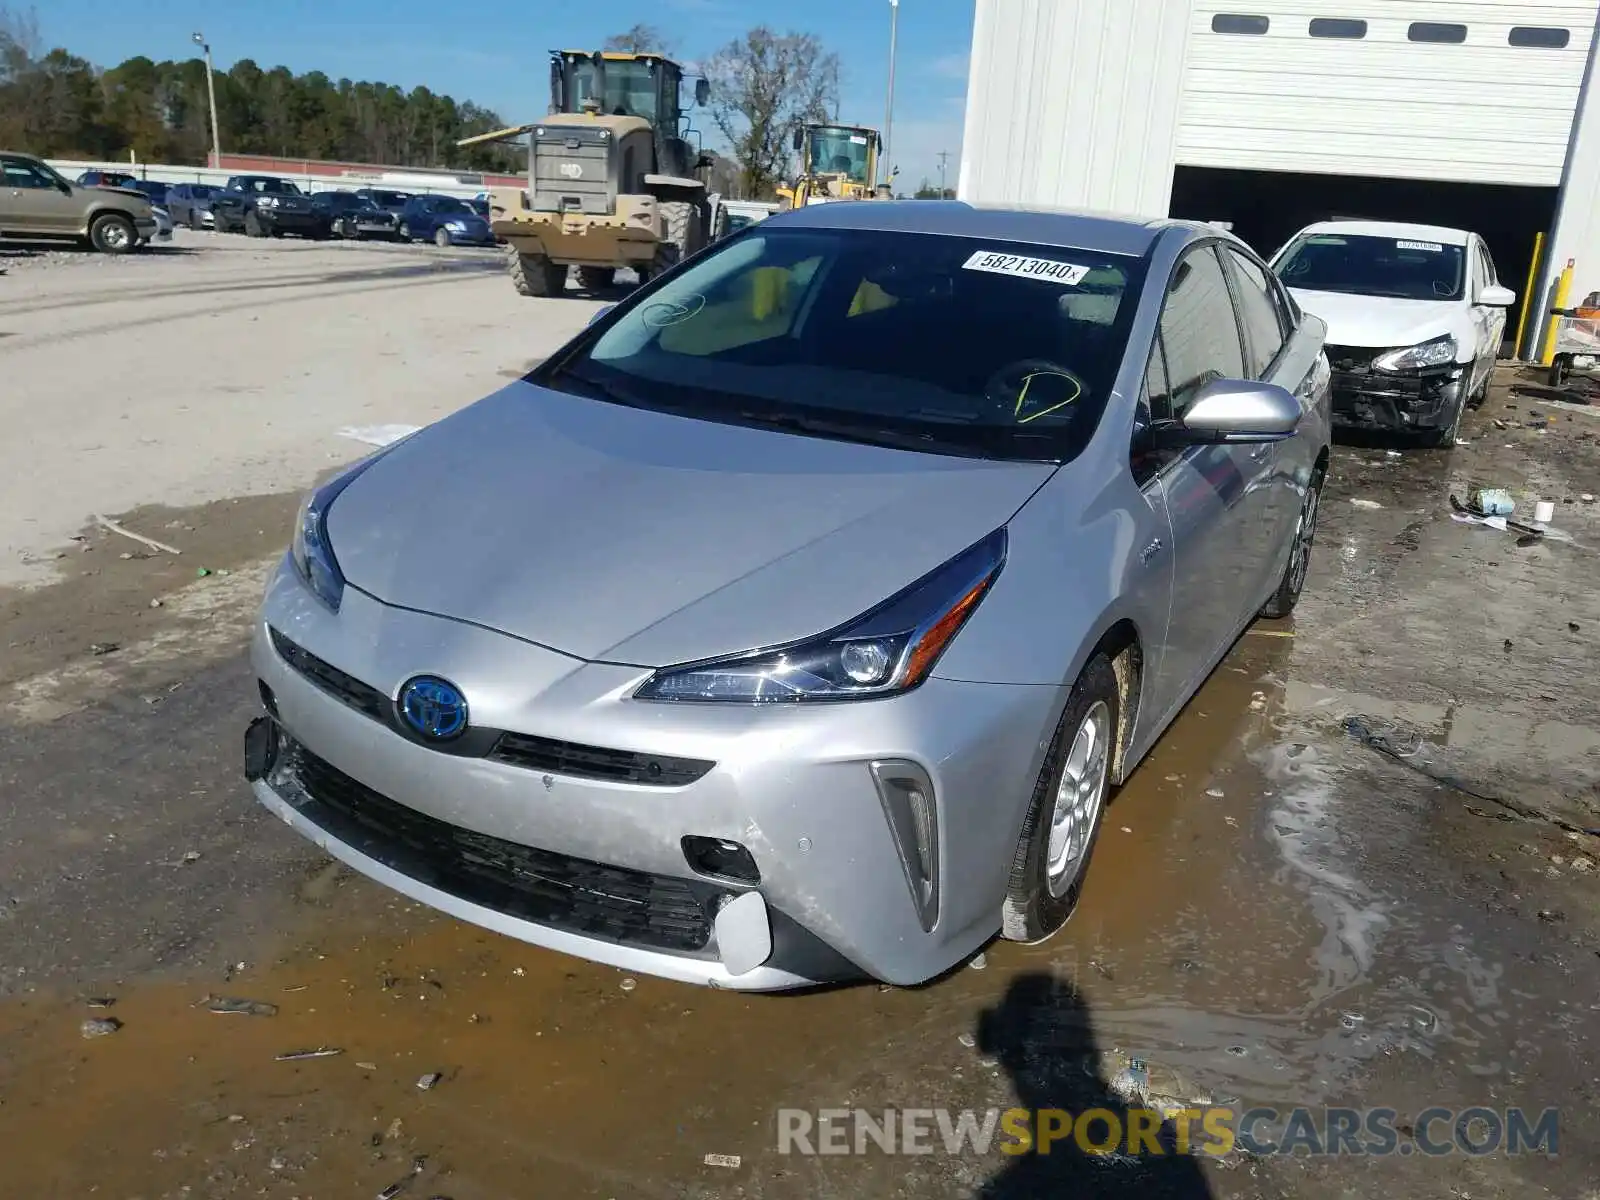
{"x": 1436, "y": 352}
{"x": 884, "y": 652}
{"x": 458, "y": 226}
{"x": 311, "y": 551}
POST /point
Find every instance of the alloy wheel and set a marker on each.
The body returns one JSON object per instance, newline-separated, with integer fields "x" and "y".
{"x": 1079, "y": 797}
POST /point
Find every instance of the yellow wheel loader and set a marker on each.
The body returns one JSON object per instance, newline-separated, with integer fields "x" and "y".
{"x": 611, "y": 175}
{"x": 837, "y": 162}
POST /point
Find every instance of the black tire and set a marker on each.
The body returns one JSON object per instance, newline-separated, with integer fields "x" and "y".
{"x": 1037, "y": 902}
{"x": 1443, "y": 436}
{"x": 596, "y": 279}
{"x": 194, "y": 221}
{"x": 404, "y": 233}
{"x": 113, "y": 233}
{"x": 1293, "y": 580}
{"x": 253, "y": 226}
{"x": 441, "y": 238}
{"x": 678, "y": 227}
{"x": 348, "y": 231}
{"x": 535, "y": 275}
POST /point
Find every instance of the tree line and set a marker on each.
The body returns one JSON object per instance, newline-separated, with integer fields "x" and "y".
{"x": 765, "y": 85}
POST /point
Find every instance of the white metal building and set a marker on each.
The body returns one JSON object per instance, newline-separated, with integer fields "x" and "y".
{"x": 1273, "y": 113}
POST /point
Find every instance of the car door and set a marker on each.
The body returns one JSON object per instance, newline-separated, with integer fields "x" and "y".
{"x": 1216, "y": 495}
{"x": 1283, "y": 352}
{"x": 32, "y": 202}
{"x": 1494, "y": 318}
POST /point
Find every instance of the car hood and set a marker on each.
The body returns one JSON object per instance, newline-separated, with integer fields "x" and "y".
{"x": 629, "y": 536}
{"x": 133, "y": 193}
{"x": 1382, "y": 321}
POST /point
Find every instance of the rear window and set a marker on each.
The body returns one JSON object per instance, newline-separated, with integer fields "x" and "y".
{"x": 951, "y": 345}
{"x": 1404, "y": 268}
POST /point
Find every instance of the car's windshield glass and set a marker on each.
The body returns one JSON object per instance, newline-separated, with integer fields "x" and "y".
{"x": 953, "y": 345}
{"x": 630, "y": 88}
{"x": 269, "y": 187}
{"x": 156, "y": 191}
{"x": 1405, "y": 268}
{"x": 338, "y": 201}
{"x": 449, "y": 204}
{"x": 839, "y": 152}
{"x": 201, "y": 191}
{"x": 390, "y": 199}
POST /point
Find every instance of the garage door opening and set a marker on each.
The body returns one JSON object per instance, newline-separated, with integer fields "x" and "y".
{"x": 1267, "y": 207}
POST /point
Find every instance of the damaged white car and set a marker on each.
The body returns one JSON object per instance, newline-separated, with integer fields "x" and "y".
{"x": 1415, "y": 317}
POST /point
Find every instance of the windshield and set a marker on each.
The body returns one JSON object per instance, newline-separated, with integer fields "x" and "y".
{"x": 1400, "y": 268}
{"x": 201, "y": 191}
{"x": 156, "y": 191}
{"x": 266, "y": 186}
{"x": 390, "y": 199}
{"x": 630, "y": 88}
{"x": 339, "y": 201}
{"x": 449, "y": 204}
{"x": 839, "y": 152}
{"x": 948, "y": 345}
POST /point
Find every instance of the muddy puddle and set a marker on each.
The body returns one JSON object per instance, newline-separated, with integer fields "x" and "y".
{"x": 1246, "y": 929}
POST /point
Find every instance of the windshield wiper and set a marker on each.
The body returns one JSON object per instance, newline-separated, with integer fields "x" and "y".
{"x": 870, "y": 435}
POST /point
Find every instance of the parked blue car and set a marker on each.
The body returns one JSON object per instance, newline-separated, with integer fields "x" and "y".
{"x": 446, "y": 220}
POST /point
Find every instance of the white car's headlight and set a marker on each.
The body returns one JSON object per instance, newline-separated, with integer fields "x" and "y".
{"x": 884, "y": 652}
{"x": 1436, "y": 352}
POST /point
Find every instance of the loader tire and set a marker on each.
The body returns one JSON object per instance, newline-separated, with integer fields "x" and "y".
{"x": 679, "y": 226}
{"x": 534, "y": 274}
{"x": 596, "y": 279}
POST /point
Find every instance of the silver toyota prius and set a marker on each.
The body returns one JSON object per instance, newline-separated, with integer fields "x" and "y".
{"x": 793, "y": 622}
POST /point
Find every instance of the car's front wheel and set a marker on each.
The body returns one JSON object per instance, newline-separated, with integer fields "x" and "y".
{"x": 112, "y": 233}
{"x": 1064, "y": 818}
{"x": 1293, "y": 580}
{"x": 441, "y": 238}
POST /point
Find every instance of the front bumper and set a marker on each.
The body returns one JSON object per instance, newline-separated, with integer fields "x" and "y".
{"x": 469, "y": 237}
{"x": 292, "y": 222}
{"x": 1364, "y": 398}
{"x": 562, "y": 849}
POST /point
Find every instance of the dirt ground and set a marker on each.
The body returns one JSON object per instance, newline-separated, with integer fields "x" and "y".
{"x": 1281, "y": 911}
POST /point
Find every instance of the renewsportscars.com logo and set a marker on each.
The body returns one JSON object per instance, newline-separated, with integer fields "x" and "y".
{"x": 1214, "y": 1131}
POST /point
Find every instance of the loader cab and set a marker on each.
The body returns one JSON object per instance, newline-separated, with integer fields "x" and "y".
{"x": 614, "y": 85}
{"x": 840, "y": 150}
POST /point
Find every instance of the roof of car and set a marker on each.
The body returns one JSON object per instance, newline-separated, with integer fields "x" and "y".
{"x": 1393, "y": 229}
{"x": 957, "y": 218}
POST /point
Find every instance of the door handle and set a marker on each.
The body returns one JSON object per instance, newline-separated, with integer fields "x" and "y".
{"x": 1150, "y": 551}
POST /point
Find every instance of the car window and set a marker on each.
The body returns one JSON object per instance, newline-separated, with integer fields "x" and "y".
{"x": 1259, "y": 312}
{"x": 1199, "y": 329}
{"x": 1404, "y": 268}
{"x": 953, "y": 344}
{"x": 19, "y": 174}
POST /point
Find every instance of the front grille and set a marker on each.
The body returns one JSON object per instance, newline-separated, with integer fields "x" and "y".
{"x": 595, "y": 762}
{"x": 591, "y": 899}
{"x": 524, "y": 750}
{"x": 1353, "y": 380}
{"x": 342, "y": 687}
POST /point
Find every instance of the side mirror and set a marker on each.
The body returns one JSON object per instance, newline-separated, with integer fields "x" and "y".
{"x": 600, "y": 312}
{"x": 702, "y": 92}
{"x": 65, "y": 188}
{"x": 1495, "y": 296}
{"x": 1234, "y": 411}
{"x": 799, "y": 138}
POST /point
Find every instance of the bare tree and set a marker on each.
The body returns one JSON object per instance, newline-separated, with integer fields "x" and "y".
{"x": 764, "y": 87}
{"x": 642, "y": 39}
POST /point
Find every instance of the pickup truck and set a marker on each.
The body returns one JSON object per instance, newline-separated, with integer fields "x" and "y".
{"x": 266, "y": 206}
{"x": 37, "y": 202}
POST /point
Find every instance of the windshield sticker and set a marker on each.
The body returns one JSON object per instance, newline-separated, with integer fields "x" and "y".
{"x": 857, "y": 140}
{"x": 1070, "y": 274}
{"x": 1430, "y": 247}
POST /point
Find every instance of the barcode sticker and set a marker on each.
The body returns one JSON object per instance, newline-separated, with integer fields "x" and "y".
{"x": 1028, "y": 268}
{"x": 1430, "y": 247}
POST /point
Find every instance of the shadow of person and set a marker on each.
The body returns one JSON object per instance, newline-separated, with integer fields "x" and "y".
{"x": 1042, "y": 1035}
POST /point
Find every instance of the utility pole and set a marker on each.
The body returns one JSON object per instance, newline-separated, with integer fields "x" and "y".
{"x": 944, "y": 156}
{"x": 888, "y": 116}
{"x": 199, "y": 39}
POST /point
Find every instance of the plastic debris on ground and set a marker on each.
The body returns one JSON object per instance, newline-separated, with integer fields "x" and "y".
{"x": 1358, "y": 502}
{"x": 240, "y": 1006}
{"x": 722, "y": 1160}
{"x": 429, "y": 1081}
{"x": 377, "y": 435}
{"x": 299, "y": 1055}
{"x": 99, "y": 1027}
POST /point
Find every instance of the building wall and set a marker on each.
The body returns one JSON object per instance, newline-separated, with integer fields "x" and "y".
{"x": 1260, "y": 92}
{"x": 1074, "y": 103}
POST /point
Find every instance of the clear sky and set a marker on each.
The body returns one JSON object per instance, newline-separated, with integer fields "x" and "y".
{"x": 469, "y": 50}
